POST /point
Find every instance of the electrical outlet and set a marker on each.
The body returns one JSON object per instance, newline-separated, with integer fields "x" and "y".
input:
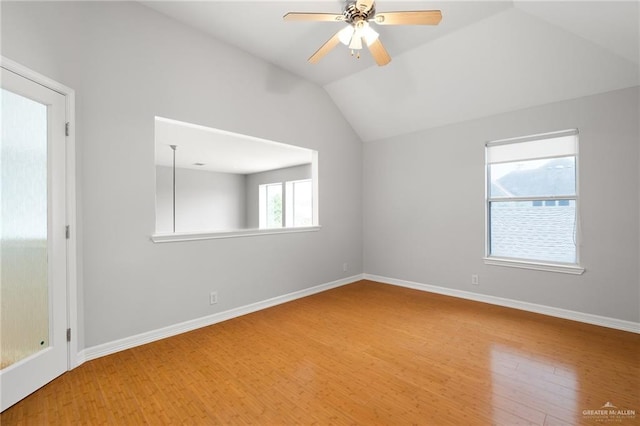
{"x": 474, "y": 279}
{"x": 345, "y": 267}
{"x": 213, "y": 297}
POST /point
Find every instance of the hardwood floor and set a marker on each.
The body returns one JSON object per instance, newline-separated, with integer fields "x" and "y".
{"x": 366, "y": 353}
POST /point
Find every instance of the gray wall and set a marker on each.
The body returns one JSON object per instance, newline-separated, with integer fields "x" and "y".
{"x": 271, "y": 176}
{"x": 424, "y": 206}
{"x": 205, "y": 201}
{"x": 129, "y": 64}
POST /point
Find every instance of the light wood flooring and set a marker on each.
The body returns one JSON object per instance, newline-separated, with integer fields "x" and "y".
{"x": 367, "y": 354}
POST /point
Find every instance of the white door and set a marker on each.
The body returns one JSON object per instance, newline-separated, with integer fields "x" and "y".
{"x": 33, "y": 276}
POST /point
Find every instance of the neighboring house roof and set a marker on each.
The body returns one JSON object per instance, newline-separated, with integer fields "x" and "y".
{"x": 545, "y": 233}
{"x": 557, "y": 174}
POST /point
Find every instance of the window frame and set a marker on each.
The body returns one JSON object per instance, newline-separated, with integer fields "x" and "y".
{"x": 550, "y": 266}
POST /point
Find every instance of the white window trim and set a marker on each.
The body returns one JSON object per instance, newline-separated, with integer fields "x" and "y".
{"x": 567, "y": 268}
{"x": 538, "y": 266}
{"x": 196, "y": 236}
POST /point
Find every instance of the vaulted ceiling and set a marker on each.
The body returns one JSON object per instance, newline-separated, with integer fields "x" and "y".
{"x": 485, "y": 57}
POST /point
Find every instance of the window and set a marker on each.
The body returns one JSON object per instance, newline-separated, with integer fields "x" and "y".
{"x": 299, "y": 206}
{"x": 297, "y": 200}
{"x": 532, "y": 202}
{"x": 270, "y": 198}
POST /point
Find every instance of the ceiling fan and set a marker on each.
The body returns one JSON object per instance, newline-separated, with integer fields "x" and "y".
{"x": 358, "y": 14}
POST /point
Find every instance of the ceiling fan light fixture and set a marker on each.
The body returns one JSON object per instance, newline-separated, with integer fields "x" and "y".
{"x": 356, "y": 42}
{"x": 362, "y": 30}
{"x": 346, "y": 34}
{"x": 370, "y": 35}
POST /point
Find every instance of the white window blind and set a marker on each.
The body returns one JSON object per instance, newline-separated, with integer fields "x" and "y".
{"x": 558, "y": 144}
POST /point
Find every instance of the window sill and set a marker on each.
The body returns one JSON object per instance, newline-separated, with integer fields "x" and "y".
{"x": 197, "y": 236}
{"x": 538, "y": 266}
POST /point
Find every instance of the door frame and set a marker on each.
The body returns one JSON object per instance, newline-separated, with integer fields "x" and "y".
{"x": 70, "y": 202}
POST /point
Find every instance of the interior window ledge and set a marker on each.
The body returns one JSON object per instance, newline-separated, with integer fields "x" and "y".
{"x": 538, "y": 266}
{"x": 196, "y": 236}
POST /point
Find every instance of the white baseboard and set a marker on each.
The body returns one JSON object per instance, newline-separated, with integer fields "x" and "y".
{"x": 618, "y": 324}
{"x": 81, "y": 358}
{"x": 143, "y": 338}
{"x": 172, "y": 330}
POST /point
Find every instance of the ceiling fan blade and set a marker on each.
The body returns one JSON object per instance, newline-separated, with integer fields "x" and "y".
{"x": 379, "y": 53}
{"x": 303, "y": 16}
{"x": 414, "y": 17}
{"x": 364, "y": 5}
{"x": 325, "y": 48}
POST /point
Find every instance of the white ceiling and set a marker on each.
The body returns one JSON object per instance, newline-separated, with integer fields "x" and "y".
{"x": 204, "y": 148}
{"x": 484, "y": 58}
{"x": 257, "y": 27}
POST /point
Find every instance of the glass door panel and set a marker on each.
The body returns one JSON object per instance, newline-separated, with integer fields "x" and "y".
{"x": 24, "y": 290}
{"x": 33, "y": 247}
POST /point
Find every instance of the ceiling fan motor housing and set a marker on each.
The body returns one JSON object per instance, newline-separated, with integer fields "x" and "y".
{"x": 353, "y": 14}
